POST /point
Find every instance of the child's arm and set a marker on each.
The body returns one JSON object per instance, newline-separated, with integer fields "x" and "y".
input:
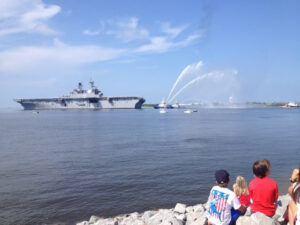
{"x": 236, "y": 203}
{"x": 276, "y": 193}
{"x": 294, "y": 178}
{"x": 242, "y": 209}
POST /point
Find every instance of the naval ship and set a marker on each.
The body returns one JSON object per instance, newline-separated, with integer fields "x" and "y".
{"x": 82, "y": 99}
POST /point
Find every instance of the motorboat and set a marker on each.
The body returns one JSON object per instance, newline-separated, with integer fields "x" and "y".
{"x": 163, "y": 105}
{"x": 289, "y": 105}
{"x": 190, "y": 111}
{"x": 292, "y": 104}
{"x": 164, "y": 110}
{"x": 175, "y": 106}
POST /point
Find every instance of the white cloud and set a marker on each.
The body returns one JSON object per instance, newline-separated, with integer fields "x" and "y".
{"x": 33, "y": 57}
{"x": 190, "y": 39}
{"x": 129, "y": 30}
{"x": 163, "y": 44}
{"x": 91, "y": 33}
{"x": 126, "y": 30}
{"x": 17, "y": 16}
{"x": 157, "y": 44}
{"x": 172, "y": 31}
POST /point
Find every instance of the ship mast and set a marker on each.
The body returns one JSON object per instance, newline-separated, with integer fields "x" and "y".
{"x": 80, "y": 87}
{"x": 92, "y": 84}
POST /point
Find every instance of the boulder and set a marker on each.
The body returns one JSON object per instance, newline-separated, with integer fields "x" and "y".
{"x": 131, "y": 219}
{"x": 181, "y": 217}
{"x": 94, "y": 219}
{"x": 283, "y": 202}
{"x": 256, "y": 219}
{"x": 164, "y": 217}
{"x": 199, "y": 208}
{"x": 108, "y": 221}
{"x": 189, "y": 209}
{"x": 83, "y": 223}
{"x": 195, "y": 218}
{"x": 147, "y": 215}
{"x": 180, "y": 208}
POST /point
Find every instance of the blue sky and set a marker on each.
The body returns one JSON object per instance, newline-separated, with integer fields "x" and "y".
{"x": 250, "y": 49}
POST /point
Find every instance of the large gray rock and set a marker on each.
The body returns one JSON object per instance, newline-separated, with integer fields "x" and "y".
{"x": 108, "y": 221}
{"x": 131, "y": 219}
{"x": 181, "y": 217}
{"x": 189, "y": 209}
{"x": 199, "y": 208}
{"x": 256, "y": 219}
{"x": 284, "y": 201}
{"x": 195, "y": 218}
{"x": 94, "y": 219}
{"x": 180, "y": 208}
{"x": 147, "y": 215}
{"x": 164, "y": 217}
{"x": 83, "y": 223}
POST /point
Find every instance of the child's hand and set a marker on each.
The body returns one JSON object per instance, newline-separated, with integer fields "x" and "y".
{"x": 295, "y": 175}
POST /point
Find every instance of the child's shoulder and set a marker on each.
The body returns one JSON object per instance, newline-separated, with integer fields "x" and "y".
{"x": 225, "y": 190}
{"x": 257, "y": 181}
{"x": 270, "y": 180}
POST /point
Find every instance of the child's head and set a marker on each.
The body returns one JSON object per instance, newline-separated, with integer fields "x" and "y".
{"x": 240, "y": 187}
{"x": 222, "y": 178}
{"x": 261, "y": 168}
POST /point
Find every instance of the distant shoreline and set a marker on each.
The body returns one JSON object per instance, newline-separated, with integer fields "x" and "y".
{"x": 152, "y": 105}
{"x": 250, "y": 104}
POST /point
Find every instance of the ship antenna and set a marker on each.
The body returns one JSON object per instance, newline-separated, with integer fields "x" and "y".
{"x": 92, "y": 84}
{"x": 80, "y": 86}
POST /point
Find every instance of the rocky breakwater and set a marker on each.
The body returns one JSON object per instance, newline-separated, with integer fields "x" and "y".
{"x": 187, "y": 215}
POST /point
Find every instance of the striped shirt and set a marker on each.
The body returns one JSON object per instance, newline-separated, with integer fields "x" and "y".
{"x": 220, "y": 202}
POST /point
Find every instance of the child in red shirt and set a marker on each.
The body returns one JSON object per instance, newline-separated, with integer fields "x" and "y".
{"x": 240, "y": 188}
{"x": 263, "y": 190}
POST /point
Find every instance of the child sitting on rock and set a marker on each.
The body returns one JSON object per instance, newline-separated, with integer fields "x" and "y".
{"x": 263, "y": 190}
{"x": 221, "y": 200}
{"x": 240, "y": 188}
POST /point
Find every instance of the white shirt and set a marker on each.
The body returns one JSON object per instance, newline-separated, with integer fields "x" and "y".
{"x": 220, "y": 202}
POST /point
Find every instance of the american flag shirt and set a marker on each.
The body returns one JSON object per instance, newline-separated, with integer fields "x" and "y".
{"x": 220, "y": 202}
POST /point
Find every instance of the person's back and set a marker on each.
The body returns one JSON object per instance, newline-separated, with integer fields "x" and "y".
{"x": 221, "y": 201}
{"x": 263, "y": 190}
{"x": 240, "y": 188}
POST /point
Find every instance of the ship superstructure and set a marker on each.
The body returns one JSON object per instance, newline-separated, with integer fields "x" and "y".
{"x": 82, "y": 99}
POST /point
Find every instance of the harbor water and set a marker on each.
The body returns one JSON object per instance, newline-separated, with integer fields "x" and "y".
{"x": 64, "y": 166}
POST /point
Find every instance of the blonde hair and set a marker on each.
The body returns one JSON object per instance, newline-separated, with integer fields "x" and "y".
{"x": 240, "y": 187}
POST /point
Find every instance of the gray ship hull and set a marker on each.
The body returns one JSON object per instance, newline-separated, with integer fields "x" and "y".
{"x": 82, "y": 103}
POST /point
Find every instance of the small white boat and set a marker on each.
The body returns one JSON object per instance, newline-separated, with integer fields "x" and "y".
{"x": 163, "y": 105}
{"x": 285, "y": 107}
{"x": 190, "y": 111}
{"x": 289, "y": 105}
{"x": 292, "y": 104}
{"x": 176, "y": 106}
{"x": 35, "y": 112}
{"x": 163, "y": 111}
